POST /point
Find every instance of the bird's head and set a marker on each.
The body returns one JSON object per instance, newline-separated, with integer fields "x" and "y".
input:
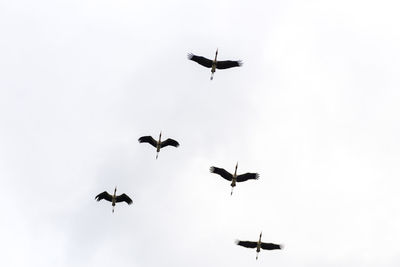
{"x": 115, "y": 190}
{"x": 237, "y": 163}
{"x": 216, "y": 53}
{"x": 260, "y": 235}
{"x": 160, "y": 134}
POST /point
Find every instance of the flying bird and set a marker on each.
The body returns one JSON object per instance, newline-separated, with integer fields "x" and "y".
{"x": 259, "y": 245}
{"x": 158, "y": 144}
{"x": 234, "y": 178}
{"x": 214, "y": 64}
{"x": 114, "y": 198}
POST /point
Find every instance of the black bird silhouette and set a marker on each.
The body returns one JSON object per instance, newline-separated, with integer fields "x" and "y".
{"x": 114, "y": 198}
{"x": 214, "y": 64}
{"x": 259, "y": 245}
{"x": 158, "y": 144}
{"x": 234, "y": 178}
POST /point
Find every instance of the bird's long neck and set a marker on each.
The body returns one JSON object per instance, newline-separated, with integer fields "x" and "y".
{"x": 235, "y": 174}
{"x": 259, "y": 245}
{"x": 158, "y": 145}
{"x": 114, "y": 197}
{"x": 233, "y": 184}
{"x": 214, "y": 65}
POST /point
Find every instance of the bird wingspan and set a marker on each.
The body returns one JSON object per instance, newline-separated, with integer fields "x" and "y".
{"x": 148, "y": 139}
{"x": 247, "y": 176}
{"x": 247, "y": 244}
{"x": 270, "y": 246}
{"x": 201, "y": 60}
{"x": 169, "y": 142}
{"x": 124, "y": 198}
{"x": 226, "y": 64}
{"x": 223, "y": 173}
{"x": 104, "y": 195}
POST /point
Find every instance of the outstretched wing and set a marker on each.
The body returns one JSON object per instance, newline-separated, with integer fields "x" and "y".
{"x": 247, "y": 244}
{"x": 169, "y": 142}
{"x": 104, "y": 195}
{"x": 201, "y": 60}
{"x": 224, "y": 174}
{"x": 270, "y": 246}
{"x": 124, "y": 198}
{"x": 148, "y": 139}
{"x": 226, "y": 64}
{"x": 247, "y": 176}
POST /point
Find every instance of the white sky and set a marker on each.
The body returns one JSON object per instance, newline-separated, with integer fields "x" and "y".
{"x": 314, "y": 110}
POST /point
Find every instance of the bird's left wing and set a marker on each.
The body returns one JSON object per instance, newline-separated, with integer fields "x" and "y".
{"x": 226, "y": 64}
{"x": 270, "y": 246}
{"x": 247, "y": 176}
{"x": 222, "y": 172}
{"x": 169, "y": 142}
{"x": 104, "y": 195}
{"x": 247, "y": 244}
{"x": 148, "y": 139}
{"x": 124, "y": 198}
{"x": 201, "y": 60}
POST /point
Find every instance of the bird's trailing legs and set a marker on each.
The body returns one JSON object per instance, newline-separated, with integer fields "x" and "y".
{"x": 232, "y": 191}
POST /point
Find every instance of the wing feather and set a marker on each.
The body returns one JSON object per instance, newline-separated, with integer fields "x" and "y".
{"x": 247, "y": 244}
{"x": 148, "y": 139}
{"x": 247, "y": 176}
{"x": 124, "y": 198}
{"x": 223, "y": 173}
{"x": 201, "y": 60}
{"x": 270, "y": 246}
{"x": 226, "y": 64}
{"x": 169, "y": 142}
{"x": 104, "y": 195}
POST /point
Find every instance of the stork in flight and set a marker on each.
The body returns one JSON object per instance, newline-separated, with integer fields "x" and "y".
{"x": 259, "y": 245}
{"x": 114, "y": 198}
{"x": 158, "y": 144}
{"x": 234, "y": 178}
{"x": 214, "y": 64}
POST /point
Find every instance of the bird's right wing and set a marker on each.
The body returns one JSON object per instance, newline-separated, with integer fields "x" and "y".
{"x": 124, "y": 197}
{"x": 169, "y": 142}
{"x": 247, "y": 244}
{"x": 104, "y": 195}
{"x": 201, "y": 60}
{"x": 247, "y": 176}
{"x": 224, "y": 174}
{"x": 148, "y": 139}
{"x": 226, "y": 64}
{"x": 270, "y": 246}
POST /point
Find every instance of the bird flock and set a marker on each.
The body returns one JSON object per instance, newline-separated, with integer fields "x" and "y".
{"x": 233, "y": 178}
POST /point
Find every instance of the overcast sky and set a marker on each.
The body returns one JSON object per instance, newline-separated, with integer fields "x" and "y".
{"x": 314, "y": 110}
